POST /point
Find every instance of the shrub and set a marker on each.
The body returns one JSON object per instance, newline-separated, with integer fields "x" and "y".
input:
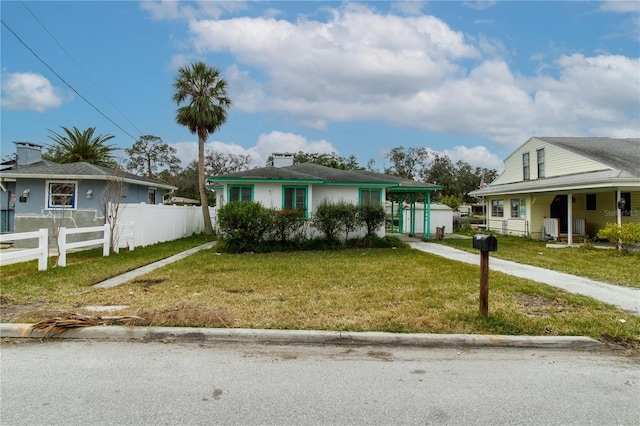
{"x": 626, "y": 236}
{"x": 451, "y": 201}
{"x": 373, "y": 217}
{"x": 328, "y": 220}
{"x": 348, "y": 218}
{"x": 287, "y": 224}
{"x": 243, "y": 224}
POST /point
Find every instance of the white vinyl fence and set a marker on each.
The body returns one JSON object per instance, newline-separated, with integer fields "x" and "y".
{"x": 39, "y": 252}
{"x": 64, "y": 245}
{"x": 155, "y": 223}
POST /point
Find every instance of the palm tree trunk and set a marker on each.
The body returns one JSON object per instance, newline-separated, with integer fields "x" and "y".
{"x": 208, "y": 229}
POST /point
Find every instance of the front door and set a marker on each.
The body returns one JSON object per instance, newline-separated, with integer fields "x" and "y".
{"x": 558, "y": 210}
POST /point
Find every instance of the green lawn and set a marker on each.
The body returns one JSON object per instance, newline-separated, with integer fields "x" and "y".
{"x": 396, "y": 290}
{"x": 600, "y": 264}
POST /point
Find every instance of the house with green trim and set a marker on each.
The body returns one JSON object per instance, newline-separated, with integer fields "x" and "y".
{"x": 304, "y": 186}
{"x": 565, "y": 187}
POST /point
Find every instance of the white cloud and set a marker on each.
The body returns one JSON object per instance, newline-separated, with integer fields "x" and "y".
{"x": 477, "y": 156}
{"x": 415, "y": 71}
{"x": 620, "y": 6}
{"x": 480, "y": 4}
{"x": 266, "y": 145}
{"x": 29, "y": 92}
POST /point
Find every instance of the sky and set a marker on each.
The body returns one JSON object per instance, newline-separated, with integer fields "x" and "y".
{"x": 470, "y": 79}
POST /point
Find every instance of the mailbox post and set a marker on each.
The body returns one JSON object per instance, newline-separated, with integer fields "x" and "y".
{"x": 484, "y": 243}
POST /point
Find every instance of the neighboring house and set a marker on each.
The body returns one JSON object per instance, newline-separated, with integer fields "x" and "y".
{"x": 35, "y": 192}
{"x": 304, "y": 186}
{"x": 558, "y": 188}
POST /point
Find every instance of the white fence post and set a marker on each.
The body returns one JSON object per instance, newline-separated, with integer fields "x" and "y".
{"x": 62, "y": 246}
{"x": 43, "y": 245}
{"x": 107, "y": 240}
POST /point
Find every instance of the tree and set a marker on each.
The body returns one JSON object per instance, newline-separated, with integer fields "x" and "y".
{"x": 205, "y": 94}
{"x": 407, "y": 164}
{"x": 332, "y": 160}
{"x": 216, "y": 163}
{"x": 442, "y": 172}
{"x": 80, "y": 146}
{"x": 148, "y": 153}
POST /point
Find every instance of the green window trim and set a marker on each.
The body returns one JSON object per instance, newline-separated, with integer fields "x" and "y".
{"x": 240, "y": 193}
{"x": 369, "y": 195}
{"x": 295, "y": 197}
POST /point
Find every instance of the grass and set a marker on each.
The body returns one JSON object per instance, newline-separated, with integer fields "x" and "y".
{"x": 394, "y": 290}
{"x": 599, "y": 264}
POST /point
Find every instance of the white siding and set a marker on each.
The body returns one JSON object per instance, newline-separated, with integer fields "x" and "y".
{"x": 558, "y": 162}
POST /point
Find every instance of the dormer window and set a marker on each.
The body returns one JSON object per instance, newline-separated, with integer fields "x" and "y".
{"x": 525, "y": 166}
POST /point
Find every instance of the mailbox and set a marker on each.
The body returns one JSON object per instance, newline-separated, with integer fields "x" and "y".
{"x": 485, "y": 242}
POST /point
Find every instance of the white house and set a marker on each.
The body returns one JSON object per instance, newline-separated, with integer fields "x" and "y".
{"x": 304, "y": 186}
{"x": 560, "y": 187}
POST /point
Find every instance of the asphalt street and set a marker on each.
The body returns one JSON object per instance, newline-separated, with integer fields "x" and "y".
{"x": 73, "y": 382}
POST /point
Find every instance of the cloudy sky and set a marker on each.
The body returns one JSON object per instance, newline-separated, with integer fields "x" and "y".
{"x": 473, "y": 80}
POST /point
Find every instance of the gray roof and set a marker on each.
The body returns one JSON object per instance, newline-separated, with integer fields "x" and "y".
{"x": 622, "y": 156}
{"x": 619, "y": 154}
{"x": 79, "y": 170}
{"x": 310, "y": 172}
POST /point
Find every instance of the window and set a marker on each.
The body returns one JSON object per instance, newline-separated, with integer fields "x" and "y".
{"x": 370, "y": 196}
{"x": 497, "y": 208}
{"x": 591, "y": 201}
{"x": 61, "y": 195}
{"x": 152, "y": 196}
{"x": 525, "y": 166}
{"x": 625, "y": 201}
{"x": 518, "y": 208}
{"x": 240, "y": 193}
{"x": 295, "y": 198}
{"x": 541, "y": 163}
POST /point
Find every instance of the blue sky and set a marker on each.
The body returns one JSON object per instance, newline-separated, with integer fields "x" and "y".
{"x": 473, "y": 80}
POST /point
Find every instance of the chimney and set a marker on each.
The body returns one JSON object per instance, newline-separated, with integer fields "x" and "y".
{"x": 282, "y": 159}
{"x": 28, "y": 153}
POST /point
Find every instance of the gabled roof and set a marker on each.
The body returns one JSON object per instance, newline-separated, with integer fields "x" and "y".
{"x": 79, "y": 170}
{"x": 317, "y": 174}
{"x": 619, "y": 154}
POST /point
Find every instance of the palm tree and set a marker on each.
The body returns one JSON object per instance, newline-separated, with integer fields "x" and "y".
{"x": 80, "y": 146}
{"x": 204, "y": 91}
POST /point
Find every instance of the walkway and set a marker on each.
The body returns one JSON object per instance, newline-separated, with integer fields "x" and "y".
{"x": 626, "y": 298}
{"x": 128, "y": 276}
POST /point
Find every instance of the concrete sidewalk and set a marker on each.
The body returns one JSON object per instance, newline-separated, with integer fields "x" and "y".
{"x": 128, "y": 276}
{"x": 626, "y": 298}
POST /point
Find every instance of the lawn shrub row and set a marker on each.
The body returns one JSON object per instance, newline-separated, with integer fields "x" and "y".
{"x": 251, "y": 227}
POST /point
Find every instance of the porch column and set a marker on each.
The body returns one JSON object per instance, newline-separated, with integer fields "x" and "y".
{"x": 429, "y": 214}
{"x": 424, "y": 216}
{"x": 569, "y": 219}
{"x": 618, "y": 209}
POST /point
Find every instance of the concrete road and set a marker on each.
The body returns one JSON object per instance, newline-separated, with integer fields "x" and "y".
{"x": 123, "y": 383}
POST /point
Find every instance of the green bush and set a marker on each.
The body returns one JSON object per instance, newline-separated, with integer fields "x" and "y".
{"x": 328, "y": 220}
{"x": 373, "y": 217}
{"x": 347, "y": 214}
{"x": 287, "y": 224}
{"x": 244, "y": 224}
{"x": 626, "y": 236}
